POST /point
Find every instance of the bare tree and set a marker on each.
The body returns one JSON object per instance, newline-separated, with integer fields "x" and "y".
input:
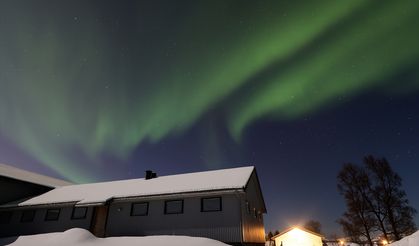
{"x": 269, "y": 236}
{"x": 357, "y": 222}
{"x": 390, "y": 200}
{"x": 314, "y": 226}
{"x": 377, "y": 206}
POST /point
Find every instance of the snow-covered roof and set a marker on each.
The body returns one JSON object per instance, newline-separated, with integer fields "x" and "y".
{"x": 94, "y": 193}
{"x": 30, "y": 177}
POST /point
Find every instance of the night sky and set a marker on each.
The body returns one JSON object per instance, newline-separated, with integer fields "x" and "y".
{"x": 103, "y": 90}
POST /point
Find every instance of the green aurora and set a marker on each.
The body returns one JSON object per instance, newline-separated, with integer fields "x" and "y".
{"x": 77, "y": 82}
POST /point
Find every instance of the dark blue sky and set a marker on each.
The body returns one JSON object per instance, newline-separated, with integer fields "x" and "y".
{"x": 298, "y": 160}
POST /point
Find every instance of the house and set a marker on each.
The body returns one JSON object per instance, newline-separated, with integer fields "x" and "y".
{"x": 226, "y": 205}
{"x": 17, "y": 184}
{"x": 296, "y": 236}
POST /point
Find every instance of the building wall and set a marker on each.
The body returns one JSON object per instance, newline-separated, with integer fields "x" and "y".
{"x": 12, "y": 189}
{"x": 99, "y": 220}
{"x": 220, "y": 225}
{"x": 39, "y": 225}
{"x": 298, "y": 238}
{"x": 253, "y": 227}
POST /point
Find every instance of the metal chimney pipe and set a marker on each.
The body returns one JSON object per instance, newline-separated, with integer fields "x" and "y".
{"x": 148, "y": 174}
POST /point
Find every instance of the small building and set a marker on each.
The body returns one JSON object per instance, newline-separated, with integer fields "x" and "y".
{"x": 296, "y": 236}
{"x": 17, "y": 184}
{"x": 226, "y": 205}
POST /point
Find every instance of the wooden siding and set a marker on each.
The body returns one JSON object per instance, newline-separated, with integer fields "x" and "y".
{"x": 220, "y": 225}
{"x": 253, "y": 228}
{"x": 39, "y": 225}
{"x": 99, "y": 221}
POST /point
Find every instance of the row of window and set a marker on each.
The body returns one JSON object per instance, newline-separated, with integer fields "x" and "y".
{"x": 210, "y": 204}
{"x": 51, "y": 215}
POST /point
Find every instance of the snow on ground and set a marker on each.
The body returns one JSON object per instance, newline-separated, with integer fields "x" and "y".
{"x": 412, "y": 240}
{"x": 81, "y": 237}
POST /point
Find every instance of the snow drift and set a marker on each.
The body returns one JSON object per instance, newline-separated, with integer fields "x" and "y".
{"x": 81, "y": 237}
{"x": 412, "y": 240}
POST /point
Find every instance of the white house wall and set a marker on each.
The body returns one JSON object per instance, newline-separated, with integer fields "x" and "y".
{"x": 298, "y": 238}
{"x": 220, "y": 225}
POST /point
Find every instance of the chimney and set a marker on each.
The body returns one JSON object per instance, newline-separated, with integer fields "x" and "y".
{"x": 150, "y": 174}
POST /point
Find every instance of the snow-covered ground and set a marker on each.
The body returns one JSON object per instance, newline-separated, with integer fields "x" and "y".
{"x": 412, "y": 240}
{"x": 81, "y": 237}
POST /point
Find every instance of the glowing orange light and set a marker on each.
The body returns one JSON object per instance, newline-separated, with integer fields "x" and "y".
{"x": 384, "y": 242}
{"x": 297, "y": 232}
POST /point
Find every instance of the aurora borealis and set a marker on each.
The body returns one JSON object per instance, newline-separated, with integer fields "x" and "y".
{"x": 87, "y": 88}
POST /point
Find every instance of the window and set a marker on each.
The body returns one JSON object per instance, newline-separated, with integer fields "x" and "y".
{"x": 211, "y": 204}
{"x": 27, "y": 216}
{"x": 173, "y": 207}
{"x": 5, "y": 217}
{"x": 260, "y": 216}
{"x": 255, "y": 213}
{"x": 139, "y": 209}
{"x": 52, "y": 214}
{"x": 79, "y": 213}
{"x": 247, "y": 207}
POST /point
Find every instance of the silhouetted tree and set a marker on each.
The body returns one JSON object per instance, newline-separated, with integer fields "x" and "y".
{"x": 362, "y": 184}
{"x": 377, "y": 206}
{"x": 314, "y": 226}
{"x": 269, "y": 236}
{"x": 390, "y": 199}
{"x": 276, "y": 232}
{"x": 357, "y": 222}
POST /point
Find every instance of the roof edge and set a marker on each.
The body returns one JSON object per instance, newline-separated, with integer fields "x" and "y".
{"x": 297, "y": 227}
{"x": 31, "y": 177}
{"x": 81, "y": 204}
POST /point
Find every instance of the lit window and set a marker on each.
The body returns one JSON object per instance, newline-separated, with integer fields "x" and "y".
{"x": 27, "y": 216}
{"x": 52, "y": 214}
{"x": 79, "y": 213}
{"x": 139, "y": 209}
{"x": 5, "y": 217}
{"x": 173, "y": 207}
{"x": 211, "y": 204}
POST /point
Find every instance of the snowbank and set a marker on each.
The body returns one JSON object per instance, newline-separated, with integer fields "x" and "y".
{"x": 412, "y": 240}
{"x": 81, "y": 237}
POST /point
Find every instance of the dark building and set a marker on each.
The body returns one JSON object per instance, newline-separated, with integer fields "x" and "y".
{"x": 226, "y": 205}
{"x": 17, "y": 184}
